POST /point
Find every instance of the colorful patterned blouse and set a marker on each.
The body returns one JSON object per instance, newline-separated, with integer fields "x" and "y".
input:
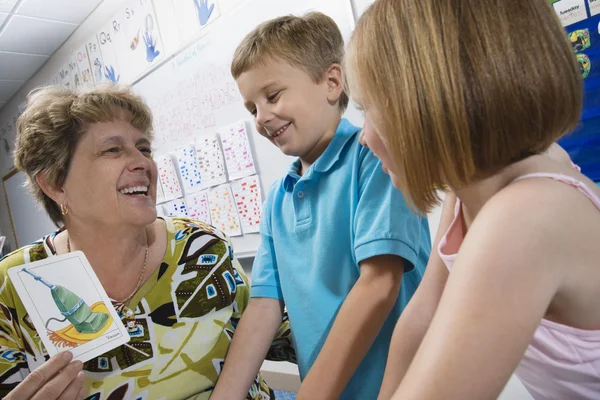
{"x": 181, "y": 322}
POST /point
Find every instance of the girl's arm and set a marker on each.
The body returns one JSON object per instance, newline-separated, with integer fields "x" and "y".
{"x": 417, "y": 315}
{"x": 511, "y": 265}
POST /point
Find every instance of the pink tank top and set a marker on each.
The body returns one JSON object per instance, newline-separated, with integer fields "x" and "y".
{"x": 561, "y": 362}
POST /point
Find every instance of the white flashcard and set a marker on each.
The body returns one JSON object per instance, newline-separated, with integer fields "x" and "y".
{"x": 68, "y": 306}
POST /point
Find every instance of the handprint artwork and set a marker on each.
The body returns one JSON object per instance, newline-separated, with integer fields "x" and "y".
{"x": 109, "y": 73}
{"x": 203, "y": 10}
{"x": 150, "y": 40}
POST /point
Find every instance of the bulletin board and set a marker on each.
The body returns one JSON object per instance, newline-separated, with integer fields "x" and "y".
{"x": 581, "y": 19}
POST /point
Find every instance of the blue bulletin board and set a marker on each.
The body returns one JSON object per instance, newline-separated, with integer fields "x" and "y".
{"x": 581, "y": 19}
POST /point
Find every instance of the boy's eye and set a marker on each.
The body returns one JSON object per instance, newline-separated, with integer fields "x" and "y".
{"x": 273, "y": 97}
{"x": 253, "y": 111}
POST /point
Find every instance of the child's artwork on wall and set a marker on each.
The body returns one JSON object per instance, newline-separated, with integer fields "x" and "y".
{"x": 188, "y": 169}
{"x": 198, "y": 208}
{"x": 176, "y": 208}
{"x": 236, "y": 147}
{"x": 168, "y": 178}
{"x": 68, "y": 306}
{"x": 210, "y": 161}
{"x": 223, "y": 212}
{"x": 95, "y": 58}
{"x": 246, "y": 193}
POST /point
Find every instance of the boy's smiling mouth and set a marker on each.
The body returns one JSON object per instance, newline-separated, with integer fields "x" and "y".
{"x": 279, "y": 131}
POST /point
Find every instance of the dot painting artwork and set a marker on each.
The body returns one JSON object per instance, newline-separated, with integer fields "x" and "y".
{"x": 246, "y": 193}
{"x": 176, "y": 208}
{"x": 210, "y": 161}
{"x": 168, "y": 178}
{"x": 197, "y": 204}
{"x": 188, "y": 169}
{"x": 223, "y": 212}
{"x": 237, "y": 151}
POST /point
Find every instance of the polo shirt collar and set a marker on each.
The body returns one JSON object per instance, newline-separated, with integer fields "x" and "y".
{"x": 344, "y": 132}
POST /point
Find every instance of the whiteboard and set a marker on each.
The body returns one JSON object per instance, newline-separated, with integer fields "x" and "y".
{"x": 193, "y": 94}
{"x": 29, "y": 221}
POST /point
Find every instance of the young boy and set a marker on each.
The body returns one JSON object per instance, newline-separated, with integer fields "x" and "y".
{"x": 344, "y": 264}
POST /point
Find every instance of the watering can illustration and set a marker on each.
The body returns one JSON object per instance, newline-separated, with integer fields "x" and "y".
{"x": 73, "y": 308}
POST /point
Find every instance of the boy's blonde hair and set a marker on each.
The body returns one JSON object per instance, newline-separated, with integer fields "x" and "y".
{"x": 464, "y": 88}
{"x": 54, "y": 121}
{"x": 312, "y": 43}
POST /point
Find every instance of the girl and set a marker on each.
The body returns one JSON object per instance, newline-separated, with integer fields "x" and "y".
{"x": 471, "y": 94}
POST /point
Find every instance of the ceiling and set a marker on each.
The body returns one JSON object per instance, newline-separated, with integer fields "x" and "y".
{"x": 30, "y": 32}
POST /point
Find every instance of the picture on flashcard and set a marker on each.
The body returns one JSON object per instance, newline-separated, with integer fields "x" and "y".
{"x": 68, "y": 306}
{"x": 210, "y": 161}
{"x": 168, "y": 178}
{"x": 198, "y": 208}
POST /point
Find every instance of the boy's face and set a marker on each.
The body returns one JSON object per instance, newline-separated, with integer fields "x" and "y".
{"x": 290, "y": 109}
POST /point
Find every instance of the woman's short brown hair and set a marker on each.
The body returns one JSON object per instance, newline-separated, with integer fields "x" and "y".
{"x": 464, "y": 88}
{"x": 55, "y": 119}
{"x": 312, "y": 43}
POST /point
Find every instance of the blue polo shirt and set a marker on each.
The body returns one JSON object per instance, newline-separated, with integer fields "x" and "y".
{"x": 315, "y": 231}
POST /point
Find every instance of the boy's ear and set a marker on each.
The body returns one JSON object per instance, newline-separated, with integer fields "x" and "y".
{"x": 55, "y": 193}
{"x": 335, "y": 82}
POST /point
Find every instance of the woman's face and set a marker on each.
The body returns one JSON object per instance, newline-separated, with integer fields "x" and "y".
{"x": 112, "y": 177}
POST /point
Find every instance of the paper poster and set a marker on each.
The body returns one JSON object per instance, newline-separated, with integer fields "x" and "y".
{"x": 594, "y": 7}
{"x": 68, "y": 306}
{"x": 570, "y": 11}
{"x": 246, "y": 193}
{"x": 223, "y": 213}
{"x": 211, "y": 161}
{"x": 139, "y": 45}
{"x": 193, "y": 15}
{"x": 168, "y": 178}
{"x": 188, "y": 169}
{"x": 160, "y": 194}
{"x": 176, "y": 208}
{"x": 95, "y": 58}
{"x": 236, "y": 148}
{"x": 85, "y": 69}
{"x": 64, "y": 76}
{"x": 198, "y": 208}
{"x": 74, "y": 74}
{"x": 108, "y": 36}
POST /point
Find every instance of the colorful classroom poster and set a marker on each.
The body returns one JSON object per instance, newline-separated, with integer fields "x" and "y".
{"x": 237, "y": 151}
{"x": 223, "y": 212}
{"x": 246, "y": 193}
{"x": 168, "y": 178}
{"x": 188, "y": 169}
{"x": 197, "y": 206}
{"x": 594, "y": 7}
{"x": 210, "y": 161}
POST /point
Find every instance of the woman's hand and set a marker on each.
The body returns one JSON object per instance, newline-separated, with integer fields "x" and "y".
{"x": 56, "y": 379}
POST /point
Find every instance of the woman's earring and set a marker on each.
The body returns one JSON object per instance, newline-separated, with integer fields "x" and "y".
{"x": 63, "y": 209}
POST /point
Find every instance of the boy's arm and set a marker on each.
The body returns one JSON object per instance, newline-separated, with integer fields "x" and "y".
{"x": 248, "y": 349}
{"x": 355, "y": 328}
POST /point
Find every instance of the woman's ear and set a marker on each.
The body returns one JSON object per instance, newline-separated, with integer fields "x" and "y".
{"x": 50, "y": 190}
{"x": 335, "y": 82}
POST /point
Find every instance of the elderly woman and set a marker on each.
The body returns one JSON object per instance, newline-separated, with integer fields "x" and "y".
{"x": 89, "y": 161}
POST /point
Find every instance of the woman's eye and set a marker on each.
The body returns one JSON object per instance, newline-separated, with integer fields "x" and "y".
{"x": 112, "y": 150}
{"x": 146, "y": 150}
